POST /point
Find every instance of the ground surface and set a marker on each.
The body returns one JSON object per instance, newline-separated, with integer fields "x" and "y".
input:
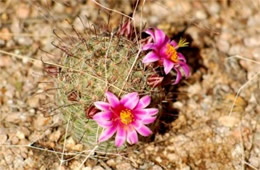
{"x": 224, "y": 56}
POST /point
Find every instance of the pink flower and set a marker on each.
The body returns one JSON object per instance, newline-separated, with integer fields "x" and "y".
{"x": 164, "y": 51}
{"x": 124, "y": 117}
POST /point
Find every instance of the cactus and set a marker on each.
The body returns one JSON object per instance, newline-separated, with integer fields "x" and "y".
{"x": 92, "y": 64}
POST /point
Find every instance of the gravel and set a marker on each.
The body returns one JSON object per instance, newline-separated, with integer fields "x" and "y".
{"x": 205, "y": 135}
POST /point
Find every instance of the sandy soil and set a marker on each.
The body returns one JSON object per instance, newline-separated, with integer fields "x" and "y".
{"x": 213, "y": 119}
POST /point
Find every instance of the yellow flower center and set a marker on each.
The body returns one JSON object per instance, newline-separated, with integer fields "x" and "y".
{"x": 126, "y": 116}
{"x": 172, "y": 53}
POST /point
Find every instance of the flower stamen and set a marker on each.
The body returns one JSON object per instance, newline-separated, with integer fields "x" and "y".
{"x": 126, "y": 116}
{"x": 172, "y": 53}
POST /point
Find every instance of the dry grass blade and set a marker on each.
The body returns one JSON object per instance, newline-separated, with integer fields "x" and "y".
{"x": 245, "y": 84}
{"x": 111, "y": 9}
{"x": 64, "y": 144}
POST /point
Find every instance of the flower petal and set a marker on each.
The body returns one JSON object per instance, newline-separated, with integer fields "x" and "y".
{"x": 148, "y": 120}
{"x": 168, "y": 65}
{"x": 144, "y": 102}
{"x": 150, "y": 111}
{"x": 159, "y": 36}
{"x": 107, "y": 133}
{"x": 102, "y": 106}
{"x": 186, "y": 69}
{"x": 120, "y": 136}
{"x": 151, "y": 33}
{"x": 103, "y": 115}
{"x": 145, "y": 119}
{"x": 142, "y": 129}
{"x": 130, "y": 100}
{"x": 178, "y": 77}
{"x": 148, "y": 46}
{"x": 104, "y": 123}
{"x": 112, "y": 99}
{"x": 174, "y": 44}
{"x": 181, "y": 57}
{"x": 132, "y": 137}
{"x": 150, "y": 57}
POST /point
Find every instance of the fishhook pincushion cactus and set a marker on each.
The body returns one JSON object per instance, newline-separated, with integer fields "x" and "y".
{"x": 105, "y": 88}
{"x": 94, "y": 63}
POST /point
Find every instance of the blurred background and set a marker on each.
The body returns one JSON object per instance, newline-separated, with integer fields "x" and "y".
{"x": 216, "y": 111}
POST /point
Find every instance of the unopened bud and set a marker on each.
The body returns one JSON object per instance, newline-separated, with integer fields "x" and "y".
{"x": 52, "y": 70}
{"x": 154, "y": 80}
{"x": 126, "y": 29}
{"x": 73, "y": 95}
{"x": 91, "y": 111}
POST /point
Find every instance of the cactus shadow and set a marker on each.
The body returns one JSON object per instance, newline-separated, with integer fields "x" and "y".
{"x": 169, "y": 113}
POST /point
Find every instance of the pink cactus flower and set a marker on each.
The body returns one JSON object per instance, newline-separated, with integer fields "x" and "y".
{"x": 164, "y": 51}
{"x": 124, "y": 117}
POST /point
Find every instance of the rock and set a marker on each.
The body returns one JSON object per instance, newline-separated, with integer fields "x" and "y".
{"x": 77, "y": 147}
{"x": 23, "y": 11}
{"x": 246, "y": 12}
{"x": 25, "y": 131}
{"x": 54, "y": 137}
{"x": 235, "y": 49}
{"x": 13, "y": 118}
{"x": 214, "y": 8}
{"x": 70, "y": 143}
{"x": 5, "y": 61}
{"x": 223, "y": 45}
{"x": 193, "y": 89}
{"x": 256, "y": 53}
{"x": 254, "y": 161}
{"x": 239, "y": 107}
{"x": 111, "y": 162}
{"x": 87, "y": 168}
{"x": 158, "y": 159}
{"x": 75, "y": 165}
{"x": 33, "y": 101}
{"x": 18, "y": 163}
{"x": 178, "y": 105}
{"x": 13, "y": 138}
{"x": 8, "y": 157}
{"x": 155, "y": 167}
{"x": 2, "y": 43}
{"x": 254, "y": 20}
{"x": 20, "y": 135}
{"x": 257, "y": 139}
{"x": 35, "y": 136}
{"x": 200, "y": 14}
{"x": 124, "y": 166}
{"x": 29, "y": 162}
{"x": 5, "y": 34}
{"x": 185, "y": 167}
{"x": 56, "y": 120}
{"x": 228, "y": 121}
{"x": 172, "y": 157}
{"x": 78, "y": 24}
{"x": 40, "y": 122}
{"x": 24, "y": 142}
{"x": 97, "y": 168}
{"x": 3, "y": 138}
{"x": 252, "y": 41}
{"x": 15, "y": 27}
{"x": 43, "y": 167}
{"x": 59, "y": 7}
{"x": 26, "y": 41}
